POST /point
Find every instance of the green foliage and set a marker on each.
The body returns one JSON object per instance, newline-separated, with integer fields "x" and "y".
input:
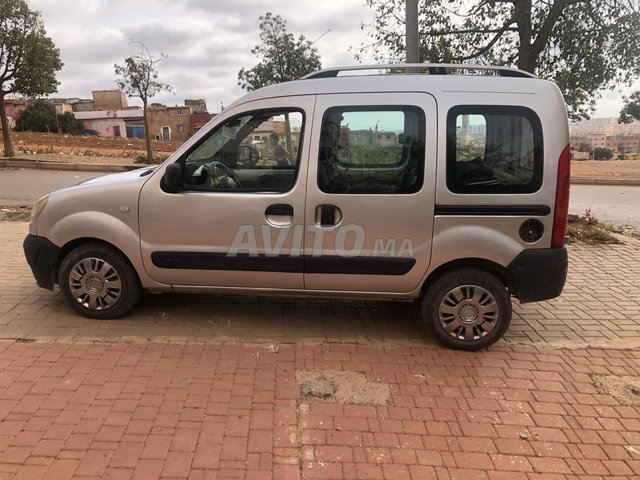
{"x": 70, "y": 124}
{"x": 40, "y": 116}
{"x": 28, "y": 57}
{"x": 582, "y": 45}
{"x": 585, "y": 147}
{"x": 602, "y": 154}
{"x": 283, "y": 57}
{"x": 631, "y": 109}
{"x": 364, "y": 154}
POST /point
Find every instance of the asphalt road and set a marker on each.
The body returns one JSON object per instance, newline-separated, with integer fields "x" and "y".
{"x": 25, "y": 186}
{"x": 619, "y": 205}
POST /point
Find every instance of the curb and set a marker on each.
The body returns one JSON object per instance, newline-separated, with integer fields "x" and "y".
{"x": 631, "y": 182}
{"x": 16, "y": 162}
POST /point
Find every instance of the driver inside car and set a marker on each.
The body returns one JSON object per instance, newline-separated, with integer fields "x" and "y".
{"x": 281, "y": 155}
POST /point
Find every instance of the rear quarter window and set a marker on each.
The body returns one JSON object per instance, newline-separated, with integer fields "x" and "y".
{"x": 494, "y": 149}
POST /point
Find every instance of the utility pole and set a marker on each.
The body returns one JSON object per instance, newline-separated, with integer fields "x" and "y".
{"x": 411, "y": 22}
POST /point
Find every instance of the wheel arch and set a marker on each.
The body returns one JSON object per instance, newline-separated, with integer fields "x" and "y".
{"x": 501, "y": 272}
{"x": 75, "y": 243}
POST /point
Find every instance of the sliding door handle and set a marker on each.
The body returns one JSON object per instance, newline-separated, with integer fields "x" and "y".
{"x": 328, "y": 215}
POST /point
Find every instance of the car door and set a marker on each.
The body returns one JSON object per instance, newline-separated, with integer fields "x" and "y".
{"x": 370, "y": 198}
{"x": 238, "y": 219}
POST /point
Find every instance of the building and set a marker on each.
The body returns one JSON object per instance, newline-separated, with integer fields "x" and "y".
{"x": 109, "y": 100}
{"x": 603, "y": 126}
{"x": 624, "y": 143}
{"x": 14, "y": 108}
{"x": 197, "y": 106}
{"x": 170, "y": 123}
{"x": 199, "y": 120}
{"x": 83, "y": 105}
{"x": 606, "y": 133}
{"x": 113, "y": 123}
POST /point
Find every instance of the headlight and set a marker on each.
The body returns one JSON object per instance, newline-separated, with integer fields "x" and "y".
{"x": 38, "y": 207}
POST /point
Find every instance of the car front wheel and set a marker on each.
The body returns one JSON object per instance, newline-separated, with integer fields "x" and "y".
{"x": 99, "y": 282}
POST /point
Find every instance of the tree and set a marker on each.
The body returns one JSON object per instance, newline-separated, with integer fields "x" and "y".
{"x": 585, "y": 147}
{"x": 283, "y": 58}
{"x": 68, "y": 123}
{"x": 28, "y": 59}
{"x": 40, "y": 116}
{"x": 631, "y": 109}
{"x": 584, "y": 46}
{"x": 602, "y": 154}
{"x": 138, "y": 77}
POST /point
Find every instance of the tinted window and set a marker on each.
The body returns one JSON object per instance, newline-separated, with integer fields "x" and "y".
{"x": 257, "y": 151}
{"x": 494, "y": 149}
{"x": 376, "y": 150}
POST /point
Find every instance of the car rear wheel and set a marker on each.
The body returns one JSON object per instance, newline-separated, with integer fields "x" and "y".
{"x": 99, "y": 282}
{"x": 467, "y": 309}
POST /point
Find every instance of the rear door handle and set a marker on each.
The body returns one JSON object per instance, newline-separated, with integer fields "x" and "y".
{"x": 328, "y": 215}
{"x": 279, "y": 214}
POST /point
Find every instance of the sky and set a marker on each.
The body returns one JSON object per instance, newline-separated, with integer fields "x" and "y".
{"x": 207, "y": 42}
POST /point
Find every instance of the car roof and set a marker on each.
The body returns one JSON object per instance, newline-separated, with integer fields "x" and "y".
{"x": 329, "y": 82}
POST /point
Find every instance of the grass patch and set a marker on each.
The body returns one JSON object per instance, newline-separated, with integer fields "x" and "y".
{"x": 15, "y": 214}
{"x": 588, "y": 229}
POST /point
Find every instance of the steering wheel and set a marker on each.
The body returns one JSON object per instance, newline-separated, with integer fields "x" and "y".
{"x": 248, "y": 155}
{"x": 229, "y": 174}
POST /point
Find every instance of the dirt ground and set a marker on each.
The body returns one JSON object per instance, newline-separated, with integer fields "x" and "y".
{"x": 91, "y": 146}
{"x": 609, "y": 168}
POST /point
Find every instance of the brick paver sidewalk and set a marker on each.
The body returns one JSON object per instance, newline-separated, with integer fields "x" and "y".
{"x": 206, "y": 387}
{"x": 600, "y": 306}
{"x": 206, "y": 410}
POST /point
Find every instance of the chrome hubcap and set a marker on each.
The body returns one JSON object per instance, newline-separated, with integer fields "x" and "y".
{"x": 468, "y": 312}
{"x": 95, "y": 284}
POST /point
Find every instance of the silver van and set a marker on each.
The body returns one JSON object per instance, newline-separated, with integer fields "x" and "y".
{"x": 450, "y": 186}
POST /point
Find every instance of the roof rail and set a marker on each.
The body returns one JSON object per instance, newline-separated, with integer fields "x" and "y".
{"x": 433, "y": 68}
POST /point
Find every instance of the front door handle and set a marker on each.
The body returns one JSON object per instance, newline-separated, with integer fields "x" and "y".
{"x": 328, "y": 215}
{"x": 279, "y": 209}
{"x": 279, "y": 214}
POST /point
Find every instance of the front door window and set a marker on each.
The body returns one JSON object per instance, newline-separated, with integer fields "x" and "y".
{"x": 254, "y": 152}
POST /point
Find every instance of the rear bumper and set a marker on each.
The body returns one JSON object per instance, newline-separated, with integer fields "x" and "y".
{"x": 42, "y": 256}
{"x": 539, "y": 274}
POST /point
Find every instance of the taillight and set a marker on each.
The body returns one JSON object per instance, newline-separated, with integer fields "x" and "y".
{"x": 561, "y": 209}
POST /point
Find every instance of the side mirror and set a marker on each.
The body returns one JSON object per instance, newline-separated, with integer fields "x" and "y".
{"x": 173, "y": 177}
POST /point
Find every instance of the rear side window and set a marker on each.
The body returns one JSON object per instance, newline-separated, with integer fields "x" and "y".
{"x": 494, "y": 149}
{"x": 371, "y": 150}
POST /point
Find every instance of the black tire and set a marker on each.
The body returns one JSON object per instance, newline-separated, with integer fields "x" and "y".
{"x": 128, "y": 293}
{"x": 469, "y": 328}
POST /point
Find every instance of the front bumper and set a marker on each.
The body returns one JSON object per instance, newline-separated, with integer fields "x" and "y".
{"x": 42, "y": 256}
{"x": 539, "y": 274}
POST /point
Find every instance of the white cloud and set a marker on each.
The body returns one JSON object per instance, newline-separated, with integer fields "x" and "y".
{"x": 207, "y": 41}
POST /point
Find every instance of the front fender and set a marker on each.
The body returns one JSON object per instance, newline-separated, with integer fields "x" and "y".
{"x": 104, "y": 227}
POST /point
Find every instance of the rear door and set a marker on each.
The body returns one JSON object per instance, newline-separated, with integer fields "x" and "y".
{"x": 370, "y": 192}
